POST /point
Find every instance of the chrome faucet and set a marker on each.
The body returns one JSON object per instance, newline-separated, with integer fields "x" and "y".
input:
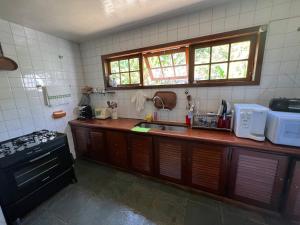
{"x": 160, "y": 99}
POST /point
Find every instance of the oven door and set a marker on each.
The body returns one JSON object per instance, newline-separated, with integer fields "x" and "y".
{"x": 28, "y": 176}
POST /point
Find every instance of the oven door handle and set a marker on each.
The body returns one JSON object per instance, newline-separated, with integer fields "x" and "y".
{"x": 39, "y": 157}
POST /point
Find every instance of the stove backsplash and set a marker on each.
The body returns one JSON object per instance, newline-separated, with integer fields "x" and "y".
{"x": 22, "y": 108}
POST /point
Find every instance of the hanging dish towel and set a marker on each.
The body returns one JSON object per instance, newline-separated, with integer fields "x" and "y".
{"x": 56, "y": 95}
{"x": 139, "y": 99}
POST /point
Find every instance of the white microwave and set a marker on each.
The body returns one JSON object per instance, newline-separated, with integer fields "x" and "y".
{"x": 283, "y": 128}
{"x": 250, "y": 121}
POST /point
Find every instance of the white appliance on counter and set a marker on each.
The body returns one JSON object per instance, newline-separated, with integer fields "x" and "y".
{"x": 283, "y": 128}
{"x": 103, "y": 113}
{"x": 250, "y": 121}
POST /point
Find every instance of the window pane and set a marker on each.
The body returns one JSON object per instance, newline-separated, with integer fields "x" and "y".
{"x": 124, "y": 66}
{"x": 220, "y": 53}
{"x": 166, "y": 60}
{"x": 114, "y": 80}
{"x": 135, "y": 77}
{"x": 154, "y": 62}
{"x": 201, "y": 72}
{"x": 125, "y": 78}
{"x": 240, "y": 50}
{"x": 202, "y": 55}
{"x": 180, "y": 71}
{"x": 157, "y": 73}
{"x": 179, "y": 58}
{"x": 168, "y": 72}
{"x": 238, "y": 69}
{"x": 218, "y": 71}
{"x": 134, "y": 64}
{"x": 114, "y": 67}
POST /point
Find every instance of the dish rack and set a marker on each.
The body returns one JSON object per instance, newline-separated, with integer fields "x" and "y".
{"x": 210, "y": 121}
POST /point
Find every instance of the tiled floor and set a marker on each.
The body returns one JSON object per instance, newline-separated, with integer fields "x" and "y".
{"x": 104, "y": 196}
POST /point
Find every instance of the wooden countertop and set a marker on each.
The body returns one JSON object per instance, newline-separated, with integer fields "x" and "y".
{"x": 218, "y": 137}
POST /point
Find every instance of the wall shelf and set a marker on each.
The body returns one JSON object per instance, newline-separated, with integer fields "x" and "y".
{"x": 103, "y": 92}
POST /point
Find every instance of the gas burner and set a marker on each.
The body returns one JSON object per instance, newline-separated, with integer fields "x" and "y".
{"x": 25, "y": 142}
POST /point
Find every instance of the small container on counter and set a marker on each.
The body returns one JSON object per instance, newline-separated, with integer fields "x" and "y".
{"x": 114, "y": 114}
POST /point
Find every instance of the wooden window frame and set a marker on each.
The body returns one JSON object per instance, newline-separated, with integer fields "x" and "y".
{"x": 128, "y": 57}
{"x": 257, "y": 33}
{"x": 251, "y": 59}
{"x": 168, "y": 52}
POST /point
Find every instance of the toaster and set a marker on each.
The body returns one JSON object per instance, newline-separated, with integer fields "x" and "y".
{"x": 103, "y": 113}
{"x": 285, "y": 104}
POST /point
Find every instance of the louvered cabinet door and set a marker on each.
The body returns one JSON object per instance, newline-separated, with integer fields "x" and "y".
{"x": 97, "y": 149}
{"x": 81, "y": 140}
{"x": 258, "y": 178}
{"x": 208, "y": 167}
{"x": 141, "y": 153}
{"x": 169, "y": 154}
{"x": 117, "y": 148}
{"x": 293, "y": 201}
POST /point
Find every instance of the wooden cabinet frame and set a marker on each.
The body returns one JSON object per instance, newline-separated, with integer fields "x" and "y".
{"x": 223, "y": 171}
{"x": 183, "y": 160}
{"x": 293, "y": 193}
{"x": 148, "y": 145}
{"x": 279, "y": 182}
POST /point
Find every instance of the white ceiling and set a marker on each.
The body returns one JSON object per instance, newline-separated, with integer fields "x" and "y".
{"x": 80, "y": 20}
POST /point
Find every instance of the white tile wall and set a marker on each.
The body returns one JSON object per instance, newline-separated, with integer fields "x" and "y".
{"x": 22, "y": 108}
{"x": 281, "y": 67}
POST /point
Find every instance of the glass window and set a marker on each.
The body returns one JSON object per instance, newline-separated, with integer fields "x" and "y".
{"x": 222, "y": 62}
{"x": 124, "y": 72}
{"x": 166, "y": 67}
{"x": 231, "y": 58}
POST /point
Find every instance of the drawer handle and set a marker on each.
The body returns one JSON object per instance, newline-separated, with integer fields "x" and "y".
{"x": 39, "y": 157}
{"x": 46, "y": 178}
{"x": 32, "y": 178}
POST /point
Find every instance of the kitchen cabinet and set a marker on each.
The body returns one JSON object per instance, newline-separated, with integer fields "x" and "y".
{"x": 207, "y": 166}
{"x": 256, "y": 175}
{"x": 117, "y": 148}
{"x": 292, "y": 209}
{"x": 170, "y": 159}
{"x": 257, "y": 178}
{"x": 141, "y": 153}
{"x": 96, "y": 149}
{"x": 81, "y": 140}
{"x": 89, "y": 144}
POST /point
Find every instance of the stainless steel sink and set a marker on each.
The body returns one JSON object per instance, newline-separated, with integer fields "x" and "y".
{"x": 160, "y": 126}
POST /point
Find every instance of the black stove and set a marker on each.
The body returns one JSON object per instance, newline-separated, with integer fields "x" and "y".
{"x": 32, "y": 168}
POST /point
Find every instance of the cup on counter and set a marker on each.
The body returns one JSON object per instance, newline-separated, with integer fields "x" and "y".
{"x": 224, "y": 122}
{"x": 114, "y": 114}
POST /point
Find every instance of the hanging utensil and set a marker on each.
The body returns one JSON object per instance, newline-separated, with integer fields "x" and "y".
{"x": 7, "y": 63}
